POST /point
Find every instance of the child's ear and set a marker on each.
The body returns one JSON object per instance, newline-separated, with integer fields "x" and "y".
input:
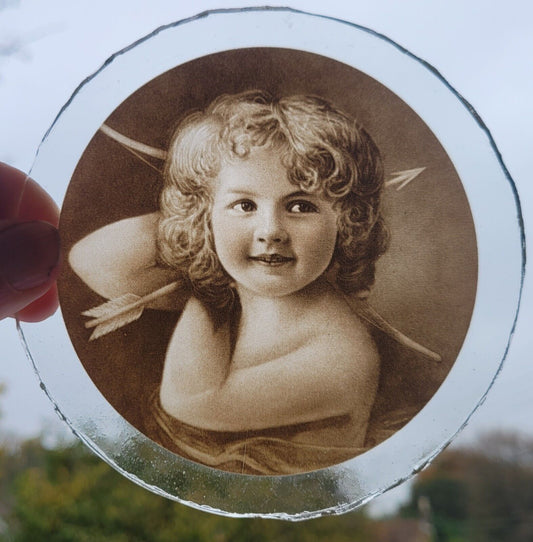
{"x": 330, "y": 273}
{"x": 363, "y": 294}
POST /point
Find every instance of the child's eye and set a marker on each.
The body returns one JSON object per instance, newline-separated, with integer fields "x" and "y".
{"x": 302, "y": 207}
{"x": 244, "y": 206}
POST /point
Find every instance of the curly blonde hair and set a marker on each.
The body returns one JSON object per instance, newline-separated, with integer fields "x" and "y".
{"x": 324, "y": 151}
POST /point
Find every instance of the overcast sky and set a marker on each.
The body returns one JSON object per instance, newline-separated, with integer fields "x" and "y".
{"x": 483, "y": 48}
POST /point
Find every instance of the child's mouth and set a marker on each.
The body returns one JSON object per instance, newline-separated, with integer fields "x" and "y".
{"x": 271, "y": 259}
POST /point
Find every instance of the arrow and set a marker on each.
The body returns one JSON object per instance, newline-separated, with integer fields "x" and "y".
{"x": 128, "y": 308}
{"x": 401, "y": 178}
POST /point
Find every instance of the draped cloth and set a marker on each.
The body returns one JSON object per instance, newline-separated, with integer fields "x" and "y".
{"x": 273, "y": 451}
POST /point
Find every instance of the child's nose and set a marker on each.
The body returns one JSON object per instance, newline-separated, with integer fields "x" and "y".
{"x": 271, "y": 229}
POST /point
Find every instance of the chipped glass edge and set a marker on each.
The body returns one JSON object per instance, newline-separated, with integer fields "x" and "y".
{"x": 334, "y": 490}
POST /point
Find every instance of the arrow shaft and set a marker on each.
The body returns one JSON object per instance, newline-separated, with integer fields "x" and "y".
{"x": 370, "y": 315}
{"x": 132, "y": 144}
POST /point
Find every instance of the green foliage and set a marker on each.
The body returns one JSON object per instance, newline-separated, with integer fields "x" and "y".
{"x": 69, "y": 495}
{"x": 448, "y": 500}
{"x": 480, "y": 494}
{"x": 501, "y": 496}
{"x": 66, "y": 494}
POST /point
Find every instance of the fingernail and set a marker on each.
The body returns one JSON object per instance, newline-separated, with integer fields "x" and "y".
{"x": 29, "y": 253}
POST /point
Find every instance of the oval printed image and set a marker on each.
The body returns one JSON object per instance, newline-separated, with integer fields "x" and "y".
{"x": 271, "y": 262}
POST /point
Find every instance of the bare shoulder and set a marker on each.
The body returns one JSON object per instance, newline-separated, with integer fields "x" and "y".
{"x": 342, "y": 358}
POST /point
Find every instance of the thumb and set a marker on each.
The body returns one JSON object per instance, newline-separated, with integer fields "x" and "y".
{"x": 29, "y": 258}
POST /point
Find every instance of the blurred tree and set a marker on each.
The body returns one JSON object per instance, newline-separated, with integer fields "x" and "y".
{"x": 67, "y": 494}
{"x": 501, "y": 489}
{"x": 483, "y": 493}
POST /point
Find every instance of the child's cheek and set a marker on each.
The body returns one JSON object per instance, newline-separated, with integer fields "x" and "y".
{"x": 231, "y": 244}
{"x": 321, "y": 244}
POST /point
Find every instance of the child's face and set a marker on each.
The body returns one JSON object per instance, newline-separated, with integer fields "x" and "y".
{"x": 271, "y": 238}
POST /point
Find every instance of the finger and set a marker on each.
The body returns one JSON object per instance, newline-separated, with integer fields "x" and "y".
{"x": 29, "y": 265}
{"x": 21, "y": 199}
{"x": 37, "y": 204}
{"x": 12, "y": 184}
{"x": 41, "y": 308}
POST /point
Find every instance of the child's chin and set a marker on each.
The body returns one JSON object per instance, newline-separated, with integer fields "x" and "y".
{"x": 273, "y": 289}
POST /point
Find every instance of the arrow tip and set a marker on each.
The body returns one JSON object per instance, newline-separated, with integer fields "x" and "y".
{"x": 403, "y": 178}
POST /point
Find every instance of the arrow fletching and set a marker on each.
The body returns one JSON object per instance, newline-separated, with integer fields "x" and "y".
{"x": 123, "y": 310}
{"x": 113, "y": 315}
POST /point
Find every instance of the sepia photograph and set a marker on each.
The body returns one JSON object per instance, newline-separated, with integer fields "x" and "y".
{"x": 270, "y": 261}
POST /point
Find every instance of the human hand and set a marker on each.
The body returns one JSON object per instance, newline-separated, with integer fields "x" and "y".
{"x": 29, "y": 248}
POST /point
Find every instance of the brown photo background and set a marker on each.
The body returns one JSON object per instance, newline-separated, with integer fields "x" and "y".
{"x": 425, "y": 283}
